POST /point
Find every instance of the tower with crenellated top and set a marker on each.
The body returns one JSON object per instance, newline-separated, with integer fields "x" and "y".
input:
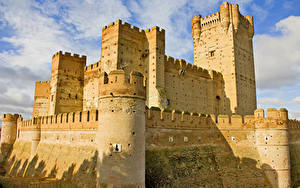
{"x": 223, "y": 42}
{"x": 66, "y": 83}
{"x": 121, "y": 133}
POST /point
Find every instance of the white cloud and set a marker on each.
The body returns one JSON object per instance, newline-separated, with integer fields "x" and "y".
{"x": 297, "y": 99}
{"x": 277, "y": 56}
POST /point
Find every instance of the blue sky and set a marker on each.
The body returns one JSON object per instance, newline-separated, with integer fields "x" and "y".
{"x": 31, "y": 31}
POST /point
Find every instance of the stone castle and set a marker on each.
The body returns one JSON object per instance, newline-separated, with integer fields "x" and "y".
{"x": 140, "y": 118}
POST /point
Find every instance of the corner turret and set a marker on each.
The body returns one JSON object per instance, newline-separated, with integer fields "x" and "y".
{"x": 272, "y": 143}
{"x": 224, "y": 14}
{"x": 8, "y": 133}
{"x": 121, "y": 132}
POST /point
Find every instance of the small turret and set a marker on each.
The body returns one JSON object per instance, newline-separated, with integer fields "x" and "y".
{"x": 8, "y": 132}
{"x": 196, "y": 28}
{"x": 251, "y": 26}
{"x": 235, "y": 16}
{"x": 272, "y": 143}
{"x": 224, "y": 14}
{"x": 121, "y": 132}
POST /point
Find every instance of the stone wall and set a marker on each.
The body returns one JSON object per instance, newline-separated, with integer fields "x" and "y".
{"x": 41, "y": 99}
{"x": 223, "y": 42}
{"x": 66, "y": 82}
{"x": 180, "y": 147}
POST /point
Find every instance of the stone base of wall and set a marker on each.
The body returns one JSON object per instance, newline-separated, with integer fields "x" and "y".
{"x": 53, "y": 164}
{"x": 201, "y": 166}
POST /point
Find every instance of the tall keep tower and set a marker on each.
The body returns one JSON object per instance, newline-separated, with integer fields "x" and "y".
{"x": 223, "y": 42}
{"x": 121, "y": 132}
{"x": 66, "y": 84}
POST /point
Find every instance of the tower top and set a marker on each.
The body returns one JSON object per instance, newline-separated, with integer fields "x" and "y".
{"x": 116, "y": 84}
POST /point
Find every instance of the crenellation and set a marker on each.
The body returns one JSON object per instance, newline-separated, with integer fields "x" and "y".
{"x": 137, "y": 97}
{"x": 209, "y": 20}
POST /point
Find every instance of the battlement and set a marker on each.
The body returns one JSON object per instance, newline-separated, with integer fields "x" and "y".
{"x": 116, "y": 83}
{"x": 155, "y": 28}
{"x": 181, "y": 64}
{"x": 124, "y": 25}
{"x": 70, "y": 121}
{"x": 274, "y": 119}
{"x": 69, "y": 55}
{"x": 9, "y": 117}
{"x": 131, "y": 27}
{"x": 42, "y": 82}
{"x": 178, "y": 118}
{"x": 228, "y": 13}
{"x": 293, "y": 124}
{"x": 93, "y": 66}
{"x": 210, "y": 20}
{"x": 181, "y": 119}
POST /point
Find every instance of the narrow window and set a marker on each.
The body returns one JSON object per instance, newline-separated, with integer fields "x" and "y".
{"x": 76, "y": 97}
{"x": 168, "y": 102}
{"x": 51, "y": 98}
{"x": 96, "y": 115}
{"x": 73, "y": 119}
{"x": 67, "y": 118}
{"x": 69, "y": 95}
{"x": 212, "y": 53}
{"x": 80, "y": 114}
{"x": 88, "y": 116}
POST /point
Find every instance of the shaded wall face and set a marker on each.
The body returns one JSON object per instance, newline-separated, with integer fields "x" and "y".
{"x": 294, "y": 147}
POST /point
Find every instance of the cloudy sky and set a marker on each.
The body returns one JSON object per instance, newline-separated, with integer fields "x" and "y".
{"x": 31, "y": 31}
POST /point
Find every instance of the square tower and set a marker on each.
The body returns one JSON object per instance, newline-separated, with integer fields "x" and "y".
{"x": 223, "y": 42}
{"x": 66, "y": 84}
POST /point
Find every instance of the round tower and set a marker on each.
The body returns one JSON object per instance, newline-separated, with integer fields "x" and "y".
{"x": 8, "y": 132}
{"x": 273, "y": 146}
{"x": 121, "y": 131}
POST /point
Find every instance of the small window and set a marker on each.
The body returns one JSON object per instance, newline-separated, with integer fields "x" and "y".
{"x": 76, "y": 97}
{"x": 88, "y": 116}
{"x": 168, "y": 101}
{"x": 52, "y": 98}
{"x": 267, "y": 138}
{"x": 212, "y": 53}
{"x": 185, "y": 139}
{"x": 80, "y": 114}
{"x": 96, "y": 115}
{"x": 117, "y": 148}
{"x": 69, "y": 95}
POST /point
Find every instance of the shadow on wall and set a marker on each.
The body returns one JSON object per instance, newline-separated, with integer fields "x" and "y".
{"x": 32, "y": 173}
{"x": 209, "y": 163}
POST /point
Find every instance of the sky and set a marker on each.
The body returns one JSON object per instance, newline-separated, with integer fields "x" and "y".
{"x": 31, "y": 31}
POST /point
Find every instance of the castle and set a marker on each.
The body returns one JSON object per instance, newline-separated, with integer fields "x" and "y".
{"x": 137, "y": 111}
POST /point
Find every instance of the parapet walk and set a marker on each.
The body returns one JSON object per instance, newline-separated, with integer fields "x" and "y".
{"x": 85, "y": 120}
